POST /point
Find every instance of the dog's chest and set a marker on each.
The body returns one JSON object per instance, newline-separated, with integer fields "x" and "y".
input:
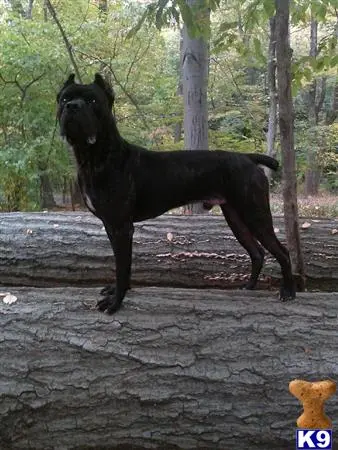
{"x": 88, "y": 193}
{"x": 88, "y": 202}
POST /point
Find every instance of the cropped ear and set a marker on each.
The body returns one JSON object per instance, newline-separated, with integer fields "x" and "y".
{"x": 105, "y": 86}
{"x": 69, "y": 81}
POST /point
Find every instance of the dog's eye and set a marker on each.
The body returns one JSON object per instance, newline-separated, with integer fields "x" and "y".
{"x": 91, "y": 101}
{"x": 64, "y": 100}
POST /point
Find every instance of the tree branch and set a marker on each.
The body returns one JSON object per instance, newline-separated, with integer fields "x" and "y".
{"x": 65, "y": 39}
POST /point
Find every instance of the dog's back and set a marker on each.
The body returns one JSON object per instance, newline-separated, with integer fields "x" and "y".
{"x": 171, "y": 179}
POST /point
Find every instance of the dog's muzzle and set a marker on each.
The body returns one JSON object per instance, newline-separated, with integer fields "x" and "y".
{"x": 75, "y": 118}
{"x": 74, "y": 106}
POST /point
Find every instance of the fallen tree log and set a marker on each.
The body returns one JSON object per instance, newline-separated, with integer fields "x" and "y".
{"x": 195, "y": 251}
{"x": 174, "y": 369}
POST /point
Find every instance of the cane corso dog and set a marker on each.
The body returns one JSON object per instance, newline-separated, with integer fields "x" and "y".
{"x": 123, "y": 183}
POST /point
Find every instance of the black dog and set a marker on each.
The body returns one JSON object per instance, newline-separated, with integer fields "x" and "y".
{"x": 122, "y": 183}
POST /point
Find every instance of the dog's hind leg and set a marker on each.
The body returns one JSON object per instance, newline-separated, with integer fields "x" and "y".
{"x": 121, "y": 242}
{"x": 247, "y": 240}
{"x": 264, "y": 232}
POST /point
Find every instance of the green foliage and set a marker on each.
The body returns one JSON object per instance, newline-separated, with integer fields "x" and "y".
{"x": 323, "y": 140}
{"x": 165, "y": 13}
{"x": 34, "y": 64}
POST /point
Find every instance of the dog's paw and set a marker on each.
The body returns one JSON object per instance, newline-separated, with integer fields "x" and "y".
{"x": 286, "y": 295}
{"x": 248, "y": 286}
{"x": 108, "y": 290}
{"x": 109, "y": 303}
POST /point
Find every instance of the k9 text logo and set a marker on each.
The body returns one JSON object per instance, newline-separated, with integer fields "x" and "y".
{"x": 317, "y": 439}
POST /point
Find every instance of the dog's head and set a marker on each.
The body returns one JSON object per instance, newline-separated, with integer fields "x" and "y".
{"x": 84, "y": 110}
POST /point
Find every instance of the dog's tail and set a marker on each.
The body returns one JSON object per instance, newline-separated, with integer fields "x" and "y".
{"x": 265, "y": 160}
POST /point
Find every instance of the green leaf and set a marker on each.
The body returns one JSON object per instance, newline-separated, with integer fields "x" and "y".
{"x": 296, "y": 85}
{"x": 186, "y": 13}
{"x": 320, "y": 63}
{"x": 327, "y": 61}
{"x": 225, "y": 26}
{"x": 319, "y": 10}
{"x": 333, "y": 43}
{"x": 257, "y": 46}
{"x": 307, "y": 73}
{"x": 175, "y": 14}
{"x": 269, "y": 7}
{"x": 159, "y": 19}
{"x": 131, "y": 33}
{"x": 334, "y": 61}
{"x": 212, "y": 4}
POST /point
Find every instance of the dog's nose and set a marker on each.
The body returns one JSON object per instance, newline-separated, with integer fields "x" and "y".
{"x": 74, "y": 105}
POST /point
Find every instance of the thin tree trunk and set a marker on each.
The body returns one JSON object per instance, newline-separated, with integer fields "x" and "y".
{"x": 103, "y": 6}
{"x": 72, "y": 248}
{"x": 29, "y": 12}
{"x": 45, "y": 11}
{"x": 178, "y": 131}
{"x": 178, "y": 125}
{"x": 173, "y": 369}
{"x": 312, "y": 174}
{"x": 332, "y": 114}
{"x": 195, "y": 84}
{"x": 46, "y": 191}
{"x": 283, "y": 53}
{"x": 75, "y": 195}
{"x": 272, "y": 127}
{"x": 17, "y": 7}
{"x": 320, "y": 96}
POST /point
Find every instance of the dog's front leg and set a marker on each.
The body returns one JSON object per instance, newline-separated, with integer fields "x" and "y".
{"x": 121, "y": 241}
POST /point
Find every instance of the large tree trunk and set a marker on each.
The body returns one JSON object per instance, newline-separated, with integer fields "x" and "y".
{"x": 312, "y": 174}
{"x": 283, "y": 54}
{"x": 195, "y": 84}
{"x": 173, "y": 369}
{"x": 198, "y": 251}
{"x": 272, "y": 127}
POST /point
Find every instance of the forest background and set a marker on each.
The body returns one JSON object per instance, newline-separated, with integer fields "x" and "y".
{"x": 137, "y": 46}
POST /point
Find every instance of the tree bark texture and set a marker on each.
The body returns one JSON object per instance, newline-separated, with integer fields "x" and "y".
{"x": 179, "y": 92}
{"x": 195, "y": 69}
{"x": 332, "y": 113}
{"x": 312, "y": 174}
{"x": 272, "y": 126}
{"x": 286, "y": 119}
{"x": 29, "y": 13}
{"x": 195, "y": 84}
{"x": 173, "y": 369}
{"x": 49, "y": 249}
